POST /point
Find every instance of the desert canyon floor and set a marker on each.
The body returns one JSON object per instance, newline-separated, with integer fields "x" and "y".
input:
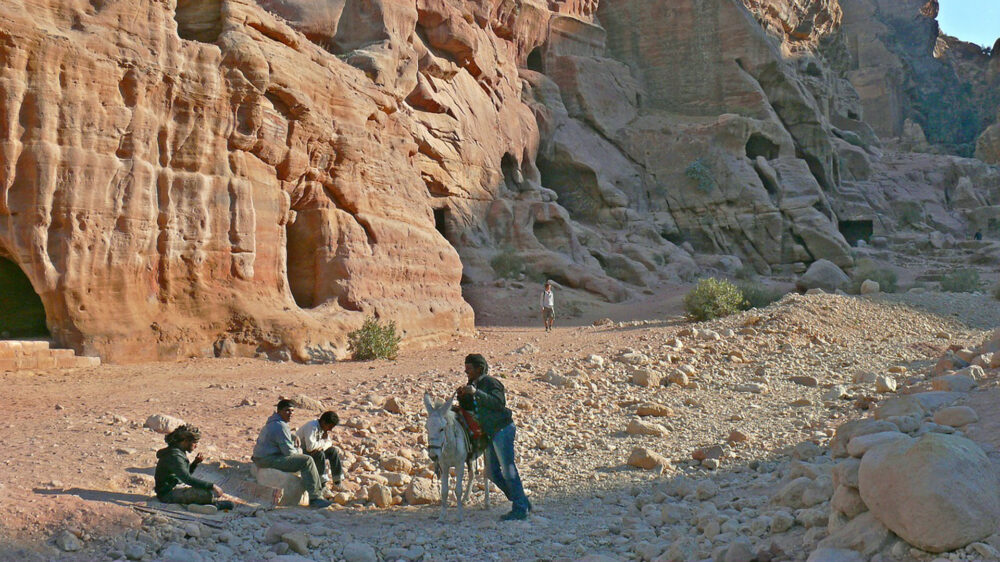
{"x": 766, "y": 390}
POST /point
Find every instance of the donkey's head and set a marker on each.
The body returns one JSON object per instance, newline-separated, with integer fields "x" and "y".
{"x": 438, "y": 416}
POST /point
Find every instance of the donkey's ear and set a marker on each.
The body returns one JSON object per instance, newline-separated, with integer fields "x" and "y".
{"x": 447, "y": 405}
{"x": 427, "y": 402}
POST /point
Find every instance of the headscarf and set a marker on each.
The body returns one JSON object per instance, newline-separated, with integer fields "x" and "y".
{"x": 181, "y": 434}
{"x": 479, "y": 361}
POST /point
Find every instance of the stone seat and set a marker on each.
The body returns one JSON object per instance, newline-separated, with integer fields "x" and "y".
{"x": 289, "y": 484}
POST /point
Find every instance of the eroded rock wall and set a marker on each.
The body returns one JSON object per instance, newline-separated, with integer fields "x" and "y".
{"x": 160, "y": 190}
{"x": 189, "y": 178}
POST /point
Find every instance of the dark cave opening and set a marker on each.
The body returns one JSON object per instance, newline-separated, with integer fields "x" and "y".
{"x": 22, "y": 314}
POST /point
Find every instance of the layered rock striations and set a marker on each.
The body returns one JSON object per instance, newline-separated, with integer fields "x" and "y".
{"x": 188, "y": 178}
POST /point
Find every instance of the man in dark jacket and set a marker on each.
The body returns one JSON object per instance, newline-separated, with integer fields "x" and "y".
{"x": 173, "y": 468}
{"x": 485, "y": 396}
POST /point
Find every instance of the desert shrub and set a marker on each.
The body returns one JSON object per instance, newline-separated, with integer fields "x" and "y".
{"x": 961, "y": 281}
{"x": 700, "y": 173}
{"x": 867, "y": 269}
{"x": 759, "y": 295}
{"x": 713, "y": 298}
{"x": 374, "y": 340}
{"x": 507, "y": 263}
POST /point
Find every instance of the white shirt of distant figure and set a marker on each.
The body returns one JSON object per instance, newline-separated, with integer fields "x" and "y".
{"x": 548, "y": 299}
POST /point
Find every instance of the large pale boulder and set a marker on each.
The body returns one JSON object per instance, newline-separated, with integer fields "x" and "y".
{"x": 938, "y": 492}
{"x": 287, "y": 485}
{"x": 823, "y": 274}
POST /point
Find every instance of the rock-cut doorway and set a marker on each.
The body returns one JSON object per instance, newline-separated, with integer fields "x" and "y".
{"x": 22, "y": 314}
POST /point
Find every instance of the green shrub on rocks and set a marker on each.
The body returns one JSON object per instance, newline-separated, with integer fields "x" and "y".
{"x": 758, "y": 295}
{"x": 374, "y": 340}
{"x": 867, "y": 269}
{"x": 507, "y": 263}
{"x": 961, "y": 281}
{"x": 714, "y": 298}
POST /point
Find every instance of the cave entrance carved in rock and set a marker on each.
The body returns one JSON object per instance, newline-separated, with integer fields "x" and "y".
{"x": 856, "y": 230}
{"x": 22, "y": 314}
{"x": 304, "y": 238}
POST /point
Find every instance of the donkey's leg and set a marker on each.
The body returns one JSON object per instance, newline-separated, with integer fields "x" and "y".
{"x": 469, "y": 464}
{"x": 486, "y": 485}
{"x": 444, "y": 490}
{"x": 459, "y": 473}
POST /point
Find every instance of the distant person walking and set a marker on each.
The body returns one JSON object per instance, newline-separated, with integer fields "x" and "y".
{"x": 548, "y": 307}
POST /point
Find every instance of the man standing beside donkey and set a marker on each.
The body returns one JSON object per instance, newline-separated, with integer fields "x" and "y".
{"x": 486, "y": 398}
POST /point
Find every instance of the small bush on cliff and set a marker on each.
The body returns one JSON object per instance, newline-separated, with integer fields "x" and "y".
{"x": 759, "y": 295}
{"x": 374, "y": 340}
{"x": 867, "y": 269}
{"x": 961, "y": 281}
{"x": 700, "y": 172}
{"x": 507, "y": 263}
{"x": 713, "y": 298}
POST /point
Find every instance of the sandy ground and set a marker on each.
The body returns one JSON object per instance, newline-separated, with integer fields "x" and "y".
{"x": 78, "y": 458}
{"x": 76, "y": 451}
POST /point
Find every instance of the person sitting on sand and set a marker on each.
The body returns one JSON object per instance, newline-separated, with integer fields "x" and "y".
{"x": 275, "y": 449}
{"x": 173, "y": 468}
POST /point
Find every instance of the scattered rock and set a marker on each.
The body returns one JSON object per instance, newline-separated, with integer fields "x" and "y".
{"x": 737, "y": 436}
{"x": 653, "y": 409}
{"x": 297, "y": 541}
{"x": 869, "y": 287}
{"x": 422, "y": 491}
{"x": 307, "y": 403}
{"x": 162, "y": 423}
{"x": 380, "y": 495}
{"x": 861, "y": 444}
{"x": 956, "y": 416}
{"x": 639, "y": 427}
{"x": 885, "y": 384}
{"x": 645, "y": 378}
{"x": 394, "y": 405}
{"x": 67, "y": 542}
{"x": 938, "y": 492}
{"x": 804, "y": 380}
{"x": 953, "y": 383}
{"x": 647, "y": 460}
{"x": 359, "y": 552}
{"x": 823, "y": 274}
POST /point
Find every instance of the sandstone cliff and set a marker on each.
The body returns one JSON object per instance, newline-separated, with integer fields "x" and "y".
{"x": 198, "y": 177}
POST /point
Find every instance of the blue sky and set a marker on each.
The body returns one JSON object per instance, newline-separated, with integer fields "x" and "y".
{"x": 975, "y": 21}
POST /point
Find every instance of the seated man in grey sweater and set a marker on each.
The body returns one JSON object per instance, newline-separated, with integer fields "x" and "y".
{"x": 275, "y": 449}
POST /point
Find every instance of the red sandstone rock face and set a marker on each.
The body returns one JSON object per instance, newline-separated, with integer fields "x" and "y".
{"x": 183, "y": 177}
{"x": 162, "y": 192}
